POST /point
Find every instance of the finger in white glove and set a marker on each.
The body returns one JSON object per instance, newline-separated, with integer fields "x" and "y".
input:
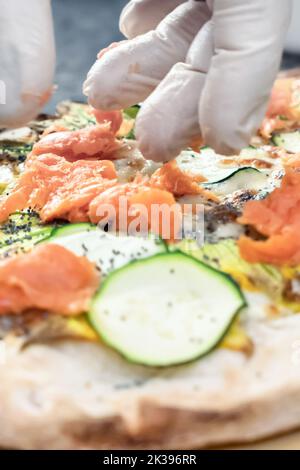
{"x": 141, "y": 16}
{"x": 168, "y": 120}
{"x": 128, "y": 73}
{"x": 249, "y": 39}
{"x": 229, "y": 96}
{"x": 27, "y": 59}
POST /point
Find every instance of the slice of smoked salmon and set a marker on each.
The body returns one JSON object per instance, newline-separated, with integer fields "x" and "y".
{"x": 280, "y": 209}
{"x": 110, "y": 200}
{"x": 271, "y": 125}
{"x": 285, "y": 99}
{"x": 157, "y": 208}
{"x": 114, "y": 118}
{"x": 284, "y": 107}
{"x": 58, "y": 189}
{"x": 171, "y": 178}
{"x": 96, "y": 142}
{"x": 280, "y": 250}
{"x": 49, "y": 278}
{"x": 54, "y": 128}
{"x": 82, "y": 190}
{"x": 276, "y": 217}
{"x": 138, "y": 207}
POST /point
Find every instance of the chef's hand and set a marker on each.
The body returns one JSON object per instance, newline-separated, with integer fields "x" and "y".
{"x": 200, "y": 67}
{"x": 27, "y": 59}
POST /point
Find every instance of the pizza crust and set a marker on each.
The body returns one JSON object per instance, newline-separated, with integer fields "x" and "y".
{"x": 75, "y": 395}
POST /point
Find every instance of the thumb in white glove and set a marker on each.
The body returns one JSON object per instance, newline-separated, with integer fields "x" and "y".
{"x": 216, "y": 81}
{"x": 27, "y": 59}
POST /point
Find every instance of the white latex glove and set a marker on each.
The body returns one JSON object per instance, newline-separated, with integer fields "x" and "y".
{"x": 27, "y": 59}
{"x": 206, "y": 68}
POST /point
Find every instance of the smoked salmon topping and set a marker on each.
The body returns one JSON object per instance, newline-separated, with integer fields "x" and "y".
{"x": 280, "y": 250}
{"x": 271, "y": 125}
{"x": 58, "y": 189}
{"x": 114, "y": 118}
{"x": 163, "y": 214}
{"x": 49, "y": 278}
{"x": 80, "y": 191}
{"x": 155, "y": 194}
{"x": 96, "y": 142}
{"x": 277, "y": 218}
{"x": 285, "y": 99}
{"x": 111, "y": 197}
{"x": 284, "y": 107}
{"x": 153, "y": 209}
{"x": 171, "y": 178}
{"x": 54, "y": 128}
{"x": 93, "y": 142}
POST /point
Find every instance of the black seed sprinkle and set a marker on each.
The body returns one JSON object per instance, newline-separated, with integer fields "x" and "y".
{"x": 84, "y": 247}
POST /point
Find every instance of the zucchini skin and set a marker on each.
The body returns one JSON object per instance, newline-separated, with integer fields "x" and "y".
{"x": 70, "y": 229}
{"x": 227, "y": 278}
{"x": 234, "y": 173}
{"x": 282, "y": 140}
{"x": 107, "y": 251}
{"x": 22, "y": 229}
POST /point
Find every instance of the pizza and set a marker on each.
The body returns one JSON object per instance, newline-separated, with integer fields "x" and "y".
{"x": 118, "y": 330}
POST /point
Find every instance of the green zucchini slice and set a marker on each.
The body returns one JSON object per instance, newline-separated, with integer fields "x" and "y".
{"x": 107, "y": 251}
{"x": 166, "y": 310}
{"x": 22, "y": 231}
{"x": 290, "y": 141}
{"x": 246, "y": 178}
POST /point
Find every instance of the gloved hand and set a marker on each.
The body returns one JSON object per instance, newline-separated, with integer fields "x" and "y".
{"x": 200, "y": 67}
{"x": 27, "y": 59}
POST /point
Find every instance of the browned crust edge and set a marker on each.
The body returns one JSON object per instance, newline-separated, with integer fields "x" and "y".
{"x": 161, "y": 427}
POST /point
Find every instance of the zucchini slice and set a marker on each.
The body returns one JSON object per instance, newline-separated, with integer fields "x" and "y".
{"x": 290, "y": 141}
{"x": 166, "y": 310}
{"x": 247, "y": 178}
{"x": 22, "y": 231}
{"x": 71, "y": 229}
{"x": 107, "y": 251}
{"x": 206, "y": 163}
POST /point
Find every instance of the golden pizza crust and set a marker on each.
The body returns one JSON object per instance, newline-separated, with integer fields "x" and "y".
{"x": 75, "y": 395}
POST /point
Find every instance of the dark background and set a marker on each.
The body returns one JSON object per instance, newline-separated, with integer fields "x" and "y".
{"x": 82, "y": 28}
